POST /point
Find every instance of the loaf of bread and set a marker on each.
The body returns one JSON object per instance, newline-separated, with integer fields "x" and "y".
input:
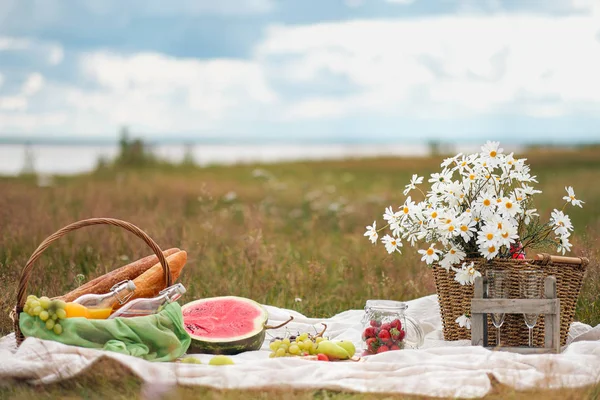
{"x": 151, "y": 282}
{"x": 102, "y": 284}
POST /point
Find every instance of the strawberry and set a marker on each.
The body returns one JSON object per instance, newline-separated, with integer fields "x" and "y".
{"x": 395, "y": 347}
{"x": 382, "y": 349}
{"x": 387, "y": 326}
{"x": 372, "y": 344}
{"x": 369, "y": 332}
{"x": 322, "y": 357}
{"x": 384, "y": 335}
{"x": 396, "y": 324}
{"x": 402, "y": 335}
{"x": 375, "y": 323}
{"x": 395, "y": 333}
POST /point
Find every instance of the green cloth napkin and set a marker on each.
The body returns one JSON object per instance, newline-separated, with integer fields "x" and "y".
{"x": 157, "y": 337}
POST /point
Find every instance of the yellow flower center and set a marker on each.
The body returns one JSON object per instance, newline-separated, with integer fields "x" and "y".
{"x": 489, "y": 236}
{"x": 493, "y": 153}
{"x": 464, "y": 228}
{"x": 487, "y": 202}
{"x": 498, "y": 200}
{"x": 434, "y": 214}
{"x": 452, "y": 251}
{"x": 451, "y": 228}
{"x": 572, "y": 197}
{"x": 491, "y": 249}
{"x": 509, "y": 205}
{"x": 471, "y": 271}
{"x": 430, "y": 251}
{"x": 505, "y": 235}
{"x": 393, "y": 242}
{"x": 405, "y": 210}
{"x": 499, "y": 225}
{"x": 519, "y": 198}
{"x": 472, "y": 177}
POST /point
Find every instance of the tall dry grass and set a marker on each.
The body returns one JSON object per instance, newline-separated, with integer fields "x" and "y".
{"x": 274, "y": 233}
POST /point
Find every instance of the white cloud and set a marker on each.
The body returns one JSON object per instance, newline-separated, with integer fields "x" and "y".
{"x": 155, "y": 92}
{"x": 31, "y": 123}
{"x": 403, "y": 2}
{"x": 33, "y": 84}
{"x": 13, "y": 103}
{"x": 1, "y": 79}
{"x": 49, "y": 52}
{"x": 447, "y": 66}
{"x": 55, "y": 54}
{"x": 181, "y": 7}
{"x": 10, "y": 43}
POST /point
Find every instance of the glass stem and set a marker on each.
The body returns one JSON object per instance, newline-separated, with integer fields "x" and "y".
{"x": 530, "y": 337}
{"x": 498, "y": 336}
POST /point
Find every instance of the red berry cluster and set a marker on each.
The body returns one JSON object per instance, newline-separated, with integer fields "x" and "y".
{"x": 383, "y": 337}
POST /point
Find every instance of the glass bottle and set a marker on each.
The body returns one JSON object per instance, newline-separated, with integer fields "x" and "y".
{"x": 101, "y": 305}
{"x": 387, "y": 327}
{"x": 145, "y": 306}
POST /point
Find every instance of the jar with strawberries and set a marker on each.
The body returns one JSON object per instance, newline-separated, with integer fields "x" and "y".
{"x": 386, "y": 327}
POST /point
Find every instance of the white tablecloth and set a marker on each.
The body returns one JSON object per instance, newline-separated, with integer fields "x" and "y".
{"x": 453, "y": 369}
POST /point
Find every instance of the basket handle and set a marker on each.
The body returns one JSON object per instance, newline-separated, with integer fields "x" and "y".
{"x": 546, "y": 258}
{"x": 26, "y": 273}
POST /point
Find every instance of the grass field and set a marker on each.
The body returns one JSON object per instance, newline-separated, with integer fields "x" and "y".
{"x": 273, "y": 233}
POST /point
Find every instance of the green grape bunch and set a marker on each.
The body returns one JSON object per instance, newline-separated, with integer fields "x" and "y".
{"x": 49, "y": 311}
{"x": 302, "y": 344}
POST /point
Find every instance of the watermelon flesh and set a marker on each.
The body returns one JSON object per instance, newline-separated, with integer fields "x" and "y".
{"x": 224, "y": 325}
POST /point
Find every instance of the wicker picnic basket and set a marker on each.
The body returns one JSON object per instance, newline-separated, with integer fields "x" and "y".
{"x": 455, "y": 299}
{"x": 26, "y": 273}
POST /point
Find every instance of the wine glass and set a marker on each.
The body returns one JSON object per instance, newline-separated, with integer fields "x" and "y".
{"x": 530, "y": 284}
{"x": 497, "y": 288}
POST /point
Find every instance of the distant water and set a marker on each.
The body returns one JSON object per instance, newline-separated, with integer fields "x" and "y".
{"x": 67, "y": 159}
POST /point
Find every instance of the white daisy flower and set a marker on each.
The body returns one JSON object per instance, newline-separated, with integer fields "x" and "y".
{"x": 466, "y": 274}
{"x": 414, "y": 181}
{"x": 454, "y": 256}
{"x": 529, "y": 214}
{"x": 509, "y": 206}
{"x": 391, "y": 244}
{"x": 463, "y": 321}
{"x": 466, "y": 228}
{"x": 488, "y": 235}
{"x": 430, "y": 255}
{"x": 562, "y": 223}
{"x": 508, "y": 235}
{"x": 438, "y": 180}
{"x": 491, "y": 151}
{"x": 407, "y": 209}
{"x": 486, "y": 204}
{"x": 372, "y": 232}
{"x": 489, "y": 251}
{"x": 570, "y": 197}
{"x": 564, "y": 244}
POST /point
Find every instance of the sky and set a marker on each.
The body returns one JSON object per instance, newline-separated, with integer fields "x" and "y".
{"x": 302, "y": 70}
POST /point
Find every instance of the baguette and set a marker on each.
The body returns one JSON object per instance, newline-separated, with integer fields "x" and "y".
{"x": 102, "y": 284}
{"x": 151, "y": 282}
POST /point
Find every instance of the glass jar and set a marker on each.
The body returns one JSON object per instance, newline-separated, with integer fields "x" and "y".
{"x": 387, "y": 327}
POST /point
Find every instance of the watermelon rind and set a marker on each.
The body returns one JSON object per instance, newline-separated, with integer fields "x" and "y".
{"x": 229, "y": 345}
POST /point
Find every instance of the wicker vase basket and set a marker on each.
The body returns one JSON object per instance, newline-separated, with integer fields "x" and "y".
{"x": 26, "y": 273}
{"x": 455, "y": 299}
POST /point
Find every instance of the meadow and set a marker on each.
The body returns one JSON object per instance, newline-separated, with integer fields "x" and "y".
{"x": 289, "y": 235}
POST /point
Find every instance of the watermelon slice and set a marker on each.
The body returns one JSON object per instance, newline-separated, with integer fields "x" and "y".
{"x": 224, "y": 325}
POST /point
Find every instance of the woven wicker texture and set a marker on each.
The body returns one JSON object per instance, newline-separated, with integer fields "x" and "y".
{"x": 26, "y": 273}
{"x": 455, "y": 299}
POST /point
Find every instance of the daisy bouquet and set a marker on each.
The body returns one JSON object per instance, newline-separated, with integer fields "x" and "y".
{"x": 479, "y": 205}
